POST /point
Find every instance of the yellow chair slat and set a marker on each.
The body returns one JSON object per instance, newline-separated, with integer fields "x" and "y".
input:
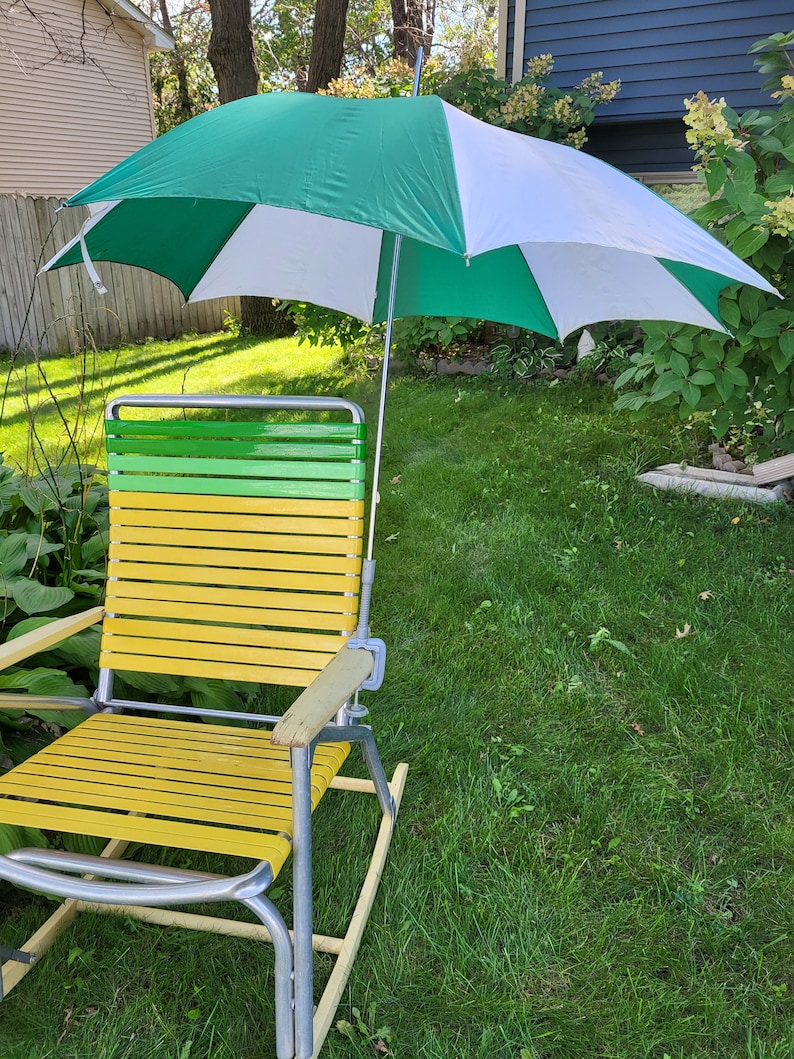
{"x": 240, "y": 597}
{"x": 182, "y": 758}
{"x": 228, "y": 653}
{"x": 291, "y": 580}
{"x": 249, "y": 770}
{"x": 223, "y": 557}
{"x": 236, "y": 505}
{"x": 224, "y": 634}
{"x": 114, "y": 825}
{"x": 101, "y": 794}
{"x": 229, "y": 537}
{"x": 192, "y": 780}
{"x": 179, "y": 667}
{"x": 274, "y": 789}
{"x": 132, "y": 599}
{"x": 223, "y": 522}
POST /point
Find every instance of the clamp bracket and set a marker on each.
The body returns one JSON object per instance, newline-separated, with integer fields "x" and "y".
{"x": 378, "y": 650}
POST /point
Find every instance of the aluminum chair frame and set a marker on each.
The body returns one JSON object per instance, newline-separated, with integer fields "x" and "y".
{"x": 321, "y": 714}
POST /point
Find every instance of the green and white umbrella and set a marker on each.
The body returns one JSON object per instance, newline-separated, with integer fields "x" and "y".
{"x": 299, "y": 196}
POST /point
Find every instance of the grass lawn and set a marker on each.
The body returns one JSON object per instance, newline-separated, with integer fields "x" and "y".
{"x": 594, "y": 858}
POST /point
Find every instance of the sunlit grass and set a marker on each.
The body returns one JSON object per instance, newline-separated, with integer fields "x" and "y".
{"x": 54, "y": 405}
{"x": 594, "y": 854}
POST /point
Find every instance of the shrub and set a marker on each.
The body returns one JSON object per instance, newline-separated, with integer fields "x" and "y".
{"x": 744, "y": 381}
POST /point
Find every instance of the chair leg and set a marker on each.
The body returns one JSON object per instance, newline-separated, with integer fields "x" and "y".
{"x": 269, "y": 915}
{"x": 300, "y": 761}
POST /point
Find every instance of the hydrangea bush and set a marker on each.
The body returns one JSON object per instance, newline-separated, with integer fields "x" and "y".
{"x": 742, "y": 382}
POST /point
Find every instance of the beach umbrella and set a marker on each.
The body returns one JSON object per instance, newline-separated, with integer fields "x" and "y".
{"x": 399, "y": 207}
{"x": 298, "y": 196}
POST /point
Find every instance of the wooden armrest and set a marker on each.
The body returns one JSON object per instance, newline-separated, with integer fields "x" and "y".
{"x": 329, "y": 690}
{"x": 40, "y": 639}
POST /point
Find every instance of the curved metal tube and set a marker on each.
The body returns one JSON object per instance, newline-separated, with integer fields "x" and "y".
{"x": 181, "y": 400}
{"x": 44, "y": 880}
{"x": 267, "y": 913}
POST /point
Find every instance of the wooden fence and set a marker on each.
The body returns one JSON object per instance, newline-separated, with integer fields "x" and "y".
{"x": 61, "y": 310}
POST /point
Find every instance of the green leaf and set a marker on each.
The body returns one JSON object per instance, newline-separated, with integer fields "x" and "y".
{"x": 711, "y": 212}
{"x": 39, "y": 546}
{"x": 780, "y": 183}
{"x": 752, "y": 302}
{"x": 13, "y": 555}
{"x": 13, "y": 836}
{"x": 773, "y": 254}
{"x": 667, "y": 384}
{"x": 787, "y": 343}
{"x": 716, "y": 174}
{"x": 88, "y": 845}
{"x": 683, "y": 344}
{"x": 781, "y": 358}
{"x": 34, "y": 598}
{"x": 735, "y": 227}
{"x": 94, "y": 550}
{"x": 678, "y": 362}
{"x": 208, "y": 694}
{"x": 711, "y": 345}
{"x": 82, "y": 649}
{"x": 729, "y": 310}
{"x": 42, "y": 681}
{"x": 769, "y": 144}
{"x": 625, "y": 377}
{"x": 25, "y": 626}
{"x": 737, "y": 377}
{"x": 161, "y": 684}
{"x": 769, "y": 324}
{"x": 720, "y": 422}
{"x": 725, "y": 385}
{"x": 631, "y": 401}
{"x": 691, "y": 393}
{"x": 747, "y": 244}
{"x": 702, "y": 378}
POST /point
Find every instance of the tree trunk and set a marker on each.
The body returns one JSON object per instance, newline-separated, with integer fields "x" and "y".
{"x": 328, "y": 44}
{"x": 231, "y": 49}
{"x": 184, "y": 103}
{"x": 231, "y": 53}
{"x": 259, "y": 316}
{"x": 413, "y": 26}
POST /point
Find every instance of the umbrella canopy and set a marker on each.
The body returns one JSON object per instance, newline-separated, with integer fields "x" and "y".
{"x": 298, "y": 196}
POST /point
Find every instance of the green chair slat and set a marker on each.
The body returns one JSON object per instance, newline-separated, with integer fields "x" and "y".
{"x": 181, "y": 428}
{"x": 176, "y": 465}
{"x": 302, "y": 490}
{"x": 274, "y": 450}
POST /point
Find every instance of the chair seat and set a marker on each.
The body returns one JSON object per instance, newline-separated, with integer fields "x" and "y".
{"x": 208, "y": 787}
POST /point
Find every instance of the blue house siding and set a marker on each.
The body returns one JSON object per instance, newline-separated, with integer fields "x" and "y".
{"x": 510, "y": 34}
{"x": 662, "y": 52}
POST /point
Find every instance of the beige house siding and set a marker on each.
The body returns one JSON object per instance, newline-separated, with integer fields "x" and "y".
{"x": 75, "y": 97}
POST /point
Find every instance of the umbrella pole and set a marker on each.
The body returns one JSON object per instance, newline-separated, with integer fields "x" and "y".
{"x": 368, "y": 567}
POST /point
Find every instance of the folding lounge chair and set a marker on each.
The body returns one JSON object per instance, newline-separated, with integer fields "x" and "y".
{"x": 235, "y": 553}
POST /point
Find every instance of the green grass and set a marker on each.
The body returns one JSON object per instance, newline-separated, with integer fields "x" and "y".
{"x": 594, "y": 855}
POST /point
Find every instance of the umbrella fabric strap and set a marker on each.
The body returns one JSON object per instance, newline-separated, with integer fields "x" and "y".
{"x": 89, "y": 266}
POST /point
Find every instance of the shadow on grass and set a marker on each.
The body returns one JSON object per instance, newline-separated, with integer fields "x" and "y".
{"x": 166, "y": 364}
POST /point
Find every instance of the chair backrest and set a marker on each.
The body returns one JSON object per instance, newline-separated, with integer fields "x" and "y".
{"x": 235, "y": 546}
